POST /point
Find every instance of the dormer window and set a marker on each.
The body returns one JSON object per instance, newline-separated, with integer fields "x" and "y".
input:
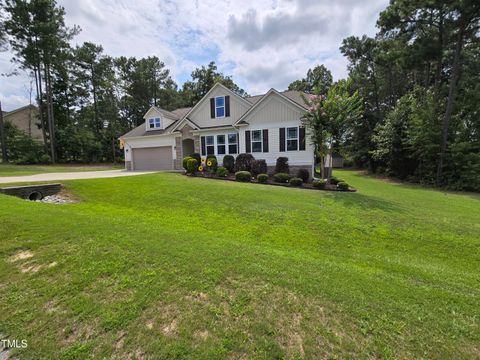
{"x": 220, "y": 106}
{"x": 154, "y": 123}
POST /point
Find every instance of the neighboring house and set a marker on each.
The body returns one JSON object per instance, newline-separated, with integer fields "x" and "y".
{"x": 267, "y": 126}
{"x": 25, "y": 119}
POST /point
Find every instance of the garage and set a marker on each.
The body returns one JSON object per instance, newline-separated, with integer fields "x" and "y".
{"x": 152, "y": 158}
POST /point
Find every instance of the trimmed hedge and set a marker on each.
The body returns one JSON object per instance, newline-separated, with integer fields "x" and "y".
{"x": 342, "y": 186}
{"x": 243, "y": 176}
{"x": 213, "y": 160}
{"x": 184, "y": 162}
{"x": 281, "y": 177}
{"x": 244, "y": 162}
{"x": 222, "y": 171}
{"x": 319, "y": 184}
{"x": 229, "y": 162}
{"x": 192, "y": 165}
{"x": 282, "y": 165}
{"x": 296, "y": 181}
{"x": 262, "y": 178}
{"x": 259, "y": 167}
{"x": 303, "y": 174}
{"x": 334, "y": 180}
{"x": 197, "y": 157}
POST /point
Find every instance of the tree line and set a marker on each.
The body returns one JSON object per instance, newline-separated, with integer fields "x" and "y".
{"x": 86, "y": 98}
{"x": 419, "y": 79}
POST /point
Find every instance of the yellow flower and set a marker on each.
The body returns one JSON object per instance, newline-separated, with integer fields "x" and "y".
{"x": 209, "y": 163}
{"x": 200, "y": 168}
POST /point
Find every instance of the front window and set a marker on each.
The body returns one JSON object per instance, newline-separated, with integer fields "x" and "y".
{"x": 221, "y": 144}
{"x": 154, "y": 123}
{"x": 232, "y": 143}
{"x": 220, "y": 106}
{"x": 292, "y": 139}
{"x": 256, "y": 141}
{"x": 210, "y": 141}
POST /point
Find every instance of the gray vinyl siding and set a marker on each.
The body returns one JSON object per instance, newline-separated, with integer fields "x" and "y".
{"x": 273, "y": 114}
{"x": 201, "y": 115}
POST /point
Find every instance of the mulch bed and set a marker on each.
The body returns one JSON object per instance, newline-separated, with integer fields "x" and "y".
{"x": 306, "y": 186}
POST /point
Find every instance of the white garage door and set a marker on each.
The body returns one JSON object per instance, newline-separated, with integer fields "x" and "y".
{"x": 152, "y": 158}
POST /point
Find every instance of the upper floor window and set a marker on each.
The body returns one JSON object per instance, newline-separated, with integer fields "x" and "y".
{"x": 220, "y": 106}
{"x": 154, "y": 123}
{"x": 292, "y": 139}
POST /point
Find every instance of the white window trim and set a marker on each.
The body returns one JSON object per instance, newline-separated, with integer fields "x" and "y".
{"x": 154, "y": 125}
{"x": 235, "y": 143}
{"x": 219, "y": 107}
{"x": 261, "y": 140}
{"x": 297, "y": 138}
{"x": 215, "y": 144}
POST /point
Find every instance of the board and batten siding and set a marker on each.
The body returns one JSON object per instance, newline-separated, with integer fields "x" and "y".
{"x": 273, "y": 114}
{"x": 201, "y": 115}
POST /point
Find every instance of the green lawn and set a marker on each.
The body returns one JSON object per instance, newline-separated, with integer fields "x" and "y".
{"x": 164, "y": 266}
{"x": 20, "y": 170}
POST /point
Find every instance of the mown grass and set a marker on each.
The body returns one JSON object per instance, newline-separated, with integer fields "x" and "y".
{"x": 164, "y": 266}
{"x": 20, "y": 170}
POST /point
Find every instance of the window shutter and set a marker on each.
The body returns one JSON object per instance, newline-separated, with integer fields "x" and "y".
{"x": 265, "y": 140}
{"x": 248, "y": 148}
{"x": 282, "y": 139}
{"x": 227, "y": 106}
{"x": 212, "y": 108}
{"x": 204, "y": 148}
{"x": 301, "y": 138}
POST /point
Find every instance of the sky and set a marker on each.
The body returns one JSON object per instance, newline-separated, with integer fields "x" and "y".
{"x": 260, "y": 43}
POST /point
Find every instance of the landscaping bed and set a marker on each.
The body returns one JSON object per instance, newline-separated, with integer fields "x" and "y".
{"x": 270, "y": 181}
{"x": 245, "y": 168}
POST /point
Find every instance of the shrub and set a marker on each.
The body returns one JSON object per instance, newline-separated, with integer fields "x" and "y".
{"x": 212, "y": 160}
{"x": 342, "y": 186}
{"x": 184, "y": 162}
{"x": 229, "y": 162}
{"x": 244, "y": 162}
{"x": 192, "y": 166}
{"x": 281, "y": 177}
{"x": 319, "y": 184}
{"x": 303, "y": 174}
{"x": 259, "y": 167}
{"x": 282, "y": 165}
{"x": 334, "y": 180}
{"x": 221, "y": 171}
{"x": 296, "y": 181}
{"x": 243, "y": 176}
{"x": 197, "y": 157}
{"x": 262, "y": 178}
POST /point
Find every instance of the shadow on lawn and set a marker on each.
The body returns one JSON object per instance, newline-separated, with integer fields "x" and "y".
{"x": 362, "y": 201}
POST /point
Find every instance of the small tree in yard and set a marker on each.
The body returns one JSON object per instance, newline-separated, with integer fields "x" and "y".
{"x": 328, "y": 118}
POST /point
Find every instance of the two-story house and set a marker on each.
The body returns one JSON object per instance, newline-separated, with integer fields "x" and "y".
{"x": 267, "y": 126}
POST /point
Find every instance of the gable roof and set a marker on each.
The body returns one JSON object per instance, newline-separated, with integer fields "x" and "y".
{"x": 180, "y": 115}
{"x": 290, "y": 98}
{"x": 293, "y": 95}
{"x": 206, "y": 96}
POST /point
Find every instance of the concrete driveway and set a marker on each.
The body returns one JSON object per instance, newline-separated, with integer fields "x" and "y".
{"x": 71, "y": 176}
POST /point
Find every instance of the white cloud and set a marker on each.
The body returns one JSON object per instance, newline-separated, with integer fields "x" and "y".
{"x": 262, "y": 43}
